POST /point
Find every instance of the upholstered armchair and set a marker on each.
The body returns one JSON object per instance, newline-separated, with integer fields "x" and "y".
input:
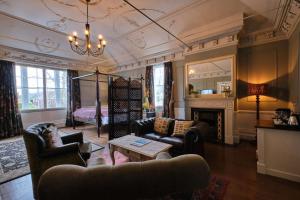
{"x": 40, "y": 158}
{"x": 190, "y": 142}
{"x": 165, "y": 177}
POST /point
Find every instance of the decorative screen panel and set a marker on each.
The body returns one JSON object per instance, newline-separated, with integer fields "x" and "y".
{"x": 125, "y": 105}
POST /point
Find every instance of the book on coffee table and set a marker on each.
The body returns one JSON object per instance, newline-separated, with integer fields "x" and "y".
{"x": 140, "y": 142}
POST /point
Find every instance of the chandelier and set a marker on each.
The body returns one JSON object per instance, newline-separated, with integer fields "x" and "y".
{"x": 87, "y": 47}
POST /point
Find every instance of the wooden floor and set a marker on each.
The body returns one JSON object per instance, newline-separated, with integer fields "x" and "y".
{"x": 237, "y": 164}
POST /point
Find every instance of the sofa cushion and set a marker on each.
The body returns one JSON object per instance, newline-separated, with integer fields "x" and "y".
{"x": 152, "y": 136}
{"x": 175, "y": 141}
{"x": 181, "y": 127}
{"x": 161, "y": 125}
{"x": 51, "y": 138}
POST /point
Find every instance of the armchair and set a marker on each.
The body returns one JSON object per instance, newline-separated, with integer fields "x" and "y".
{"x": 40, "y": 158}
{"x": 192, "y": 142}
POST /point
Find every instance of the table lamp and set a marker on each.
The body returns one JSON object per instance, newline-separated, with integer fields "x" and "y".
{"x": 257, "y": 90}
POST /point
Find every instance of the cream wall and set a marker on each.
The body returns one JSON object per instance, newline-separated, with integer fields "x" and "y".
{"x": 268, "y": 64}
{"x": 88, "y": 90}
{"x": 294, "y": 72}
{"x": 56, "y": 116}
{"x": 270, "y": 60}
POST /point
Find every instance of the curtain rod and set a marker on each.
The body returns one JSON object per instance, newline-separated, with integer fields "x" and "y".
{"x": 185, "y": 44}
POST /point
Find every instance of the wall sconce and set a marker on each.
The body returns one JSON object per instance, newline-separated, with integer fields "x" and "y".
{"x": 257, "y": 90}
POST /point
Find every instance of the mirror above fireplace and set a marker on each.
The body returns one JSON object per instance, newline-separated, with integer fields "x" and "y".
{"x": 213, "y": 77}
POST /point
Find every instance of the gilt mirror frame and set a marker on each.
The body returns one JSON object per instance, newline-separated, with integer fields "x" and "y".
{"x": 233, "y": 76}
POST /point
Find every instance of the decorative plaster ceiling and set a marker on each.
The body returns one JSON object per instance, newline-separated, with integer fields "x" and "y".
{"x": 42, "y": 25}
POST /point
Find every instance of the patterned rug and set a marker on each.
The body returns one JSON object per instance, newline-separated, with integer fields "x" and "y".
{"x": 215, "y": 191}
{"x": 13, "y": 158}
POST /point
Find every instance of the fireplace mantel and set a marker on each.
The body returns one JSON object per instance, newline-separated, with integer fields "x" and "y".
{"x": 220, "y": 103}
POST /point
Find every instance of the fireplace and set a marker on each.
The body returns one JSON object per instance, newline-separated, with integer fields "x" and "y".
{"x": 215, "y": 119}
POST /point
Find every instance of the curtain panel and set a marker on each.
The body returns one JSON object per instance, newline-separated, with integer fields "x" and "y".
{"x": 167, "y": 88}
{"x": 10, "y": 116}
{"x": 75, "y": 87}
{"x": 149, "y": 84}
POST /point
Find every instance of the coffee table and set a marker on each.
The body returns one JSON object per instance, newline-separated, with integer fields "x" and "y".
{"x": 147, "y": 152}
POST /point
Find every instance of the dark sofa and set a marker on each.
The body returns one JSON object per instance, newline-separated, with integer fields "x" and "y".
{"x": 191, "y": 143}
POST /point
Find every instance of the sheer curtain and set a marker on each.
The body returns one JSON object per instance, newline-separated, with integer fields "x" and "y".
{"x": 167, "y": 88}
{"x": 10, "y": 116}
{"x": 75, "y": 95}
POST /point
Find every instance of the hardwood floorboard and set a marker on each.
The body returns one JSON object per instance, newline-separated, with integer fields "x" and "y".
{"x": 237, "y": 164}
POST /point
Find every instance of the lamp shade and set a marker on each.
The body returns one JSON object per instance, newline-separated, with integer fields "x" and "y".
{"x": 257, "y": 89}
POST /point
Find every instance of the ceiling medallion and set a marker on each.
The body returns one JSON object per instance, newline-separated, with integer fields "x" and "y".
{"x": 87, "y": 47}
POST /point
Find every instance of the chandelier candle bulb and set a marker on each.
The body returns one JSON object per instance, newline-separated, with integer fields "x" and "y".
{"x": 70, "y": 38}
{"x": 100, "y": 37}
{"x": 104, "y": 43}
{"x": 75, "y": 34}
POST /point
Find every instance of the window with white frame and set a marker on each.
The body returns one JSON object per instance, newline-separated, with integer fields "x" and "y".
{"x": 41, "y": 88}
{"x": 158, "y": 77}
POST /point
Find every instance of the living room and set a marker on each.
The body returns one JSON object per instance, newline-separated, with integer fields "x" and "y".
{"x": 201, "y": 96}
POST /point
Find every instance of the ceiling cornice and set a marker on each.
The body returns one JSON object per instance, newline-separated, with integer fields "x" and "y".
{"x": 197, "y": 47}
{"x": 288, "y": 21}
{"x": 38, "y": 59}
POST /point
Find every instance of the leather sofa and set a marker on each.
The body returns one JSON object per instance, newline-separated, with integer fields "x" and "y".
{"x": 191, "y": 142}
{"x": 41, "y": 158}
{"x": 176, "y": 177}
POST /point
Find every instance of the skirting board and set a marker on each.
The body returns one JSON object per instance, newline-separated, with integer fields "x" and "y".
{"x": 262, "y": 169}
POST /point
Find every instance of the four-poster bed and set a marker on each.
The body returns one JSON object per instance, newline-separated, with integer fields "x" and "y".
{"x": 105, "y": 115}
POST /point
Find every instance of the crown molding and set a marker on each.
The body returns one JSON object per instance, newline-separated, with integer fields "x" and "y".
{"x": 261, "y": 37}
{"x": 37, "y": 59}
{"x": 216, "y": 43}
{"x": 196, "y": 47}
{"x": 290, "y": 18}
{"x": 286, "y": 25}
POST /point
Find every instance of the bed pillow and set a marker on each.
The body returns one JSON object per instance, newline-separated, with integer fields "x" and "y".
{"x": 161, "y": 125}
{"x": 52, "y": 138}
{"x": 181, "y": 127}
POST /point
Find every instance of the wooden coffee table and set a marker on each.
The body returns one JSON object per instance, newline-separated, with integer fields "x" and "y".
{"x": 147, "y": 152}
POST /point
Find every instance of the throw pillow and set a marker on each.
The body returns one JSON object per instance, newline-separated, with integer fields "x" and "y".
{"x": 52, "y": 138}
{"x": 181, "y": 127}
{"x": 161, "y": 125}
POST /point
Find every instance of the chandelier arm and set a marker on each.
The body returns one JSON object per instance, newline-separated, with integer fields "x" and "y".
{"x": 95, "y": 52}
{"x": 78, "y": 49}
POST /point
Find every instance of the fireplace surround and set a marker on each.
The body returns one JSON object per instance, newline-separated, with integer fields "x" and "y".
{"x": 225, "y": 104}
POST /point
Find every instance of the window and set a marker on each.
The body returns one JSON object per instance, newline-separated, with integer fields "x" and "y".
{"x": 56, "y": 88}
{"x": 39, "y": 88}
{"x": 158, "y": 85}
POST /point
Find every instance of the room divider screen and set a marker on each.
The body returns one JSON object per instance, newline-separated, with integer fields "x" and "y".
{"x": 125, "y": 105}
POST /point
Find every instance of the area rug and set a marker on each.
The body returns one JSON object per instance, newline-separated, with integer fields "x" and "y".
{"x": 215, "y": 191}
{"x": 13, "y": 158}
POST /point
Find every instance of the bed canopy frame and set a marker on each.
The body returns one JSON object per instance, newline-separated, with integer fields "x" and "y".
{"x": 111, "y": 100}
